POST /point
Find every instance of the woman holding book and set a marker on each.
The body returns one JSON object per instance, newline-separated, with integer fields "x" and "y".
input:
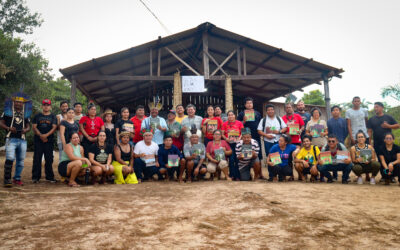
{"x": 231, "y": 132}
{"x": 174, "y": 130}
{"x": 216, "y": 153}
{"x": 123, "y": 162}
{"x": 100, "y": 155}
{"x": 209, "y": 124}
{"x": 389, "y": 154}
{"x": 364, "y": 158}
{"x": 317, "y": 128}
{"x": 280, "y": 158}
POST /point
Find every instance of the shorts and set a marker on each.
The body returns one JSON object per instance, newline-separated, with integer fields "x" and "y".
{"x": 212, "y": 167}
{"x": 63, "y": 167}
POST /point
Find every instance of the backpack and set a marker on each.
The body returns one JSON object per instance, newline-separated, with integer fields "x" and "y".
{"x": 277, "y": 117}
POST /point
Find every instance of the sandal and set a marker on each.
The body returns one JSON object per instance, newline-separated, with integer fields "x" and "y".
{"x": 73, "y": 184}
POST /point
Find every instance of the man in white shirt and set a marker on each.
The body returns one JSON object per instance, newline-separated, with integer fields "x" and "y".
{"x": 357, "y": 118}
{"x": 146, "y": 161}
{"x": 271, "y": 127}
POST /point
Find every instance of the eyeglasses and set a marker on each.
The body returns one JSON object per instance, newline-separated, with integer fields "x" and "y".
{"x": 331, "y": 141}
{"x": 360, "y": 137}
{"x": 388, "y": 138}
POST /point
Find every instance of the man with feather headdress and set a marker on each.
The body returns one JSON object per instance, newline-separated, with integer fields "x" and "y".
{"x": 16, "y": 121}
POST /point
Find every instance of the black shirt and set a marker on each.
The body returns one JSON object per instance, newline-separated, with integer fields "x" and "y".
{"x": 110, "y": 133}
{"x": 252, "y": 125}
{"x": 101, "y": 155}
{"x": 390, "y": 156}
{"x": 70, "y": 128}
{"x": 379, "y": 133}
{"x": 125, "y": 125}
{"x": 17, "y": 124}
{"x": 44, "y": 124}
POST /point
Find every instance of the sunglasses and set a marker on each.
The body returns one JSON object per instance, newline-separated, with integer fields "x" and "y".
{"x": 331, "y": 141}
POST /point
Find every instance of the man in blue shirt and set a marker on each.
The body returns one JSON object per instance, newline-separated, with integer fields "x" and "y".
{"x": 161, "y": 127}
{"x": 337, "y": 125}
{"x": 167, "y": 166}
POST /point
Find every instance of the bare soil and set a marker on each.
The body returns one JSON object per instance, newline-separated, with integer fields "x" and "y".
{"x": 200, "y": 215}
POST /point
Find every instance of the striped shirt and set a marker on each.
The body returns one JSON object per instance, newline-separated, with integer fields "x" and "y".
{"x": 255, "y": 147}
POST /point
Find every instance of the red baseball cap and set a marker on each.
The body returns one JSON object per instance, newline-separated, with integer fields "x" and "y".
{"x": 46, "y": 102}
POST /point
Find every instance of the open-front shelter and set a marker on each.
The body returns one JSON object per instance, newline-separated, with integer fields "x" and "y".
{"x": 233, "y": 66}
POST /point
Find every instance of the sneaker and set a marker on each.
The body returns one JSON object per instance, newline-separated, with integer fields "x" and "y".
{"x": 18, "y": 182}
{"x": 35, "y": 181}
{"x": 7, "y": 183}
{"x": 345, "y": 182}
{"x": 334, "y": 179}
{"x": 329, "y": 181}
{"x": 52, "y": 180}
{"x": 393, "y": 180}
{"x": 372, "y": 181}
{"x": 360, "y": 180}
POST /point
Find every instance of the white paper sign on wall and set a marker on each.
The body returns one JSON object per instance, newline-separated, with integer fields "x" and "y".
{"x": 193, "y": 84}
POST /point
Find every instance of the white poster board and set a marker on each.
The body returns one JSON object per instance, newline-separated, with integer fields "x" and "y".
{"x": 192, "y": 84}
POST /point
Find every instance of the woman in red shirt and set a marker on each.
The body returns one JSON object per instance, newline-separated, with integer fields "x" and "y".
{"x": 215, "y": 161}
{"x": 209, "y": 124}
{"x": 231, "y": 130}
{"x": 90, "y": 125}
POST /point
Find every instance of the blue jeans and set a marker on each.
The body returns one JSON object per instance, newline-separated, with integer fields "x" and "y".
{"x": 268, "y": 146}
{"x": 143, "y": 172}
{"x": 16, "y": 151}
{"x": 345, "y": 168}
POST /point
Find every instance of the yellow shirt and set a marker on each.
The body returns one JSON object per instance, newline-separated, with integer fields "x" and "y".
{"x": 180, "y": 119}
{"x": 308, "y": 155}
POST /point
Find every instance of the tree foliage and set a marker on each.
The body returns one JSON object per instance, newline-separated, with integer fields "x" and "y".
{"x": 314, "y": 97}
{"x": 392, "y": 91}
{"x": 15, "y": 17}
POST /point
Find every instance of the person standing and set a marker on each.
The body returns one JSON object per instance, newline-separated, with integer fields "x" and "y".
{"x": 180, "y": 113}
{"x": 357, "y": 118}
{"x": 90, "y": 126}
{"x": 337, "y": 125}
{"x": 209, "y": 124}
{"x": 15, "y": 120}
{"x": 78, "y": 111}
{"x": 124, "y": 124}
{"x": 271, "y": 127}
{"x": 379, "y": 125}
{"x": 191, "y": 121}
{"x": 44, "y": 125}
{"x": 293, "y": 119}
{"x": 301, "y": 110}
{"x": 317, "y": 128}
{"x": 159, "y": 128}
{"x": 174, "y": 130}
{"x": 250, "y": 121}
{"x": 63, "y": 108}
{"x": 137, "y": 123}
{"x": 109, "y": 127}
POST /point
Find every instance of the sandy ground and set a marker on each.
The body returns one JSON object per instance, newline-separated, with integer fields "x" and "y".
{"x": 201, "y": 215}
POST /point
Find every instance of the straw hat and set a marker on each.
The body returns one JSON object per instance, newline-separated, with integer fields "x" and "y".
{"x": 106, "y": 112}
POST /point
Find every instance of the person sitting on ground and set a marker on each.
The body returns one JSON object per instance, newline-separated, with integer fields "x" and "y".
{"x": 343, "y": 165}
{"x": 287, "y": 152}
{"x": 195, "y": 154}
{"x": 72, "y": 164}
{"x": 169, "y": 167}
{"x": 364, "y": 164}
{"x": 100, "y": 155}
{"x": 123, "y": 162}
{"x": 146, "y": 159}
{"x": 306, "y": 161}
{"x": 246, "y": 162}
{"x": 389, "y": 154}
{"x": 219, "y": 161}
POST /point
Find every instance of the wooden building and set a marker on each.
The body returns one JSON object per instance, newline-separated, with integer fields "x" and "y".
{"x": 233, "y": 66}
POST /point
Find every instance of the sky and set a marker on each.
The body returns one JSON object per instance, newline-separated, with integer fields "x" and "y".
{"x": 362, "y": 37}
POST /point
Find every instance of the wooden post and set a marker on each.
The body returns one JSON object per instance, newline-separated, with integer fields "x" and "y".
{"x": 206, "y": 62}
{"x": 244, "y": 62}
{"x": 327, "y": 97}
{"x": 239, "y": 62}
{"x": 159, "y": 62}
{"x": 73, "y": 90}
{"x": 177, "y": 96}
{"x": 151, "y": 71}
{"x": 228, "y": 94}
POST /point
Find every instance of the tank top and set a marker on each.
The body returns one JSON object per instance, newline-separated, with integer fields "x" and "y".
{"x": 77, "y": 152}
{"x": 126, "y": 156}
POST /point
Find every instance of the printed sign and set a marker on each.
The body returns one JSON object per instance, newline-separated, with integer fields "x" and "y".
{"x": 193, "y": 84}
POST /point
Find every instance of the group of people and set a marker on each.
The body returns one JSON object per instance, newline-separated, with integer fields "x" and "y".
{"x": 185, "y": 147}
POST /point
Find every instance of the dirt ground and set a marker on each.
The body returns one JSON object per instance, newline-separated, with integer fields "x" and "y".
{"x": 200, "y": 215}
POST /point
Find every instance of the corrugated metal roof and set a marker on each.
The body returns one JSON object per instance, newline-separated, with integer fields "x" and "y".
{"x": 261, "y": 59}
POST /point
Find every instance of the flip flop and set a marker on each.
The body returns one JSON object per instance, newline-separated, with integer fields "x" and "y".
{"x": 73, "y": 185}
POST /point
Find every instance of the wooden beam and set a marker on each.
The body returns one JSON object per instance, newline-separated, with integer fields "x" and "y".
{"x": 182, "y": 61}
{"x": 265, "y": 60}
{"x": 159, "y": 62}
{"x": 216, "y": 63}
{"x": 124, "y": 78}
{"x": 239, "y": 62}
{"x": 219, "y": 66}
{"x": 327, "y": 97}
{"x": 206, "y": 62}
{"x": 268, "y": 76}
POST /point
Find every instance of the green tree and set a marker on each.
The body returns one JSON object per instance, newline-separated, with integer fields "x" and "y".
{"x": 392, "y": 91}
{"x": 314, "y": 97}
{"x": 15, "y": 17}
